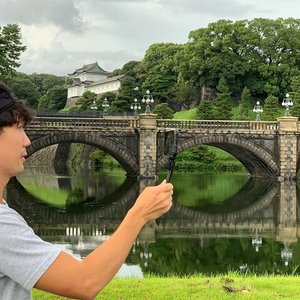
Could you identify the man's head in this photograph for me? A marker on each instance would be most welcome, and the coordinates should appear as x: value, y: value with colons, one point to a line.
x: 14, y: 115
x: 12, y: 111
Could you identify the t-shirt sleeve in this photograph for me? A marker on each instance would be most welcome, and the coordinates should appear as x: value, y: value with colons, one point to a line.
x: 24, y: 257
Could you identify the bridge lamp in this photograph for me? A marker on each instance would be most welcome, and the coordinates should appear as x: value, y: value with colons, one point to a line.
x: 105, y: 106
x: 148, y: 99
x: 258, y: 110
x: 94, y: 105
x: 135, y: 106
x: 287, y: 102
x: 146, y: 255
x: 257, y: 243
x: 286, y: 254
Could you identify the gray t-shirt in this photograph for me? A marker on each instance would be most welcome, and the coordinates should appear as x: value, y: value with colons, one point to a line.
x: 24, y: 257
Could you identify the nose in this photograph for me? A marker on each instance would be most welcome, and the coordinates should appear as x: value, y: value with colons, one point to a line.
x: 26, y: 140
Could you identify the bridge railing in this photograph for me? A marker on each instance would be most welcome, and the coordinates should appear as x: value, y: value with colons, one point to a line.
x: 44, y: 123
x: 84, y: 123
x: 218, y: 124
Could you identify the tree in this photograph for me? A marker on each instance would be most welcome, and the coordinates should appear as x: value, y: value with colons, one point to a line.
x: 205, y: 110
x: 163, y: 111
x: 126, y: 95
x: 295, y: 95
x: 158, y: 70
x: 10, y: 50
x: 85, y: 101
x: 110, y: 97
x: 55, y: 99
x: 261, y: 54
x: 185, y: 93
x: 24, y: 89
x: 271, y: 109
x: 245, y: 108
x: 223, y: 101
x: 44, y: 82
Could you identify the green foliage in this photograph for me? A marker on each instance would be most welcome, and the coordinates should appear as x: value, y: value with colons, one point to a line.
x: 55, y: 99
x: 98, y: 157
x: 24, y: 89
x: 205, y: 110
x: 163, y: 111
x: 271, y: 109
x: 10, y: 50
x: 44, y: 82
x: 295, y: 95
x: 85, y: 101
x: 261, y: 54
x: 132, y: 69
x: 41, y: 91
x: 245, y: 107
x: 207, y: 159
x: 223, y: 101
x: 126, y: 95
x: 159, y: 72
x: 201, y: 153
x: 110, y: 97
x: 185, y: 93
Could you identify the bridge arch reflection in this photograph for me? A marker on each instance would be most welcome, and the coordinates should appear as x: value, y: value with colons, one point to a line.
x: 258, y: 212
x: 37, y: 212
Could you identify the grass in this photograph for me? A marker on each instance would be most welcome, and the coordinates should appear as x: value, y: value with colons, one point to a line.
x: 186, y: 114
x: 231, y: 286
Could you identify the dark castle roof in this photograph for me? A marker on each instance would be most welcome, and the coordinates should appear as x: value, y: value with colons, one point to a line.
x: 90, y: 68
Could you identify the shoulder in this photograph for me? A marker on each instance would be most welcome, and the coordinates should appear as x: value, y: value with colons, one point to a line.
x: 9, y: 215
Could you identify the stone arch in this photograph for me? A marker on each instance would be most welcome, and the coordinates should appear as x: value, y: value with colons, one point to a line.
x: 257, y: 160
x: 114, y: 148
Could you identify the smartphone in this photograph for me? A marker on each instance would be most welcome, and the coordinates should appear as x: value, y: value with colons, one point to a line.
x: 170, y: 150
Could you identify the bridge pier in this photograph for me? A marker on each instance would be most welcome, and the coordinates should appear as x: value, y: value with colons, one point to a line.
x: 287, y: 213
x: 147, y: 145
x: 288, y: 127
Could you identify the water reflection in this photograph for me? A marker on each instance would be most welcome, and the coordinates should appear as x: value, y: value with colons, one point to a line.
x: 251, y: 225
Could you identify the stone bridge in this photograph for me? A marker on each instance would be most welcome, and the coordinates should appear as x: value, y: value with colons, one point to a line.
x: 266, y: 149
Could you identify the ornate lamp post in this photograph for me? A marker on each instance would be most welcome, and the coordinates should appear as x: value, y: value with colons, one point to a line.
x: 287, y: 102
x: 258, y: 110
x: 257, y: 242
x: 146, y: 255
x: 148, y: 99
x: 286, y: 254
x: 94, y: 105
x: 135, y: 106
x: 105, y: 106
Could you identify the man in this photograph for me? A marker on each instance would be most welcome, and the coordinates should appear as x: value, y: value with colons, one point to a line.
x: 26, y: 261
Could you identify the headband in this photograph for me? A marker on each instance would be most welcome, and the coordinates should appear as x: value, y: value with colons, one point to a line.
x: 6, y: 101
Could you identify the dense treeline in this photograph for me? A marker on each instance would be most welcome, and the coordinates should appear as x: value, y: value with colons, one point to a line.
x: 223, y: 70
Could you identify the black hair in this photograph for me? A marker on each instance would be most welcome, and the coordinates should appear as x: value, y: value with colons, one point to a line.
x: 12, y: 111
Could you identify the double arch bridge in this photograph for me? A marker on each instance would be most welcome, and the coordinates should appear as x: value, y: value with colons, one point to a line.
x: 266, y: 149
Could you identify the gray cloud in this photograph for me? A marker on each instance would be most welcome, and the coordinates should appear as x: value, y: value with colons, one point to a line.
x: 217, y: 8
x: 64, y: 14
x: 59, y: 61
x: 114, y: 32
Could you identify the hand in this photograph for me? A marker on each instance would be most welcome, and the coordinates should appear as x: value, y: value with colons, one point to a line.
x: 154, y: 201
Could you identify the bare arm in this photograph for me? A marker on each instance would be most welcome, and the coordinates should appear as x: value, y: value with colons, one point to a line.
x: 84, y: 279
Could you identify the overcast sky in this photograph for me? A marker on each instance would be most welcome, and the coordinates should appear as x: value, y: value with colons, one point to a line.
x: 63, y: 35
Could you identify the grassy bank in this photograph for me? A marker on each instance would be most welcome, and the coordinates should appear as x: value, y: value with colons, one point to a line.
x: 231, y: 286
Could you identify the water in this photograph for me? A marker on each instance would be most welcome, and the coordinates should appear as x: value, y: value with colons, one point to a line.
x: 218, y: 223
